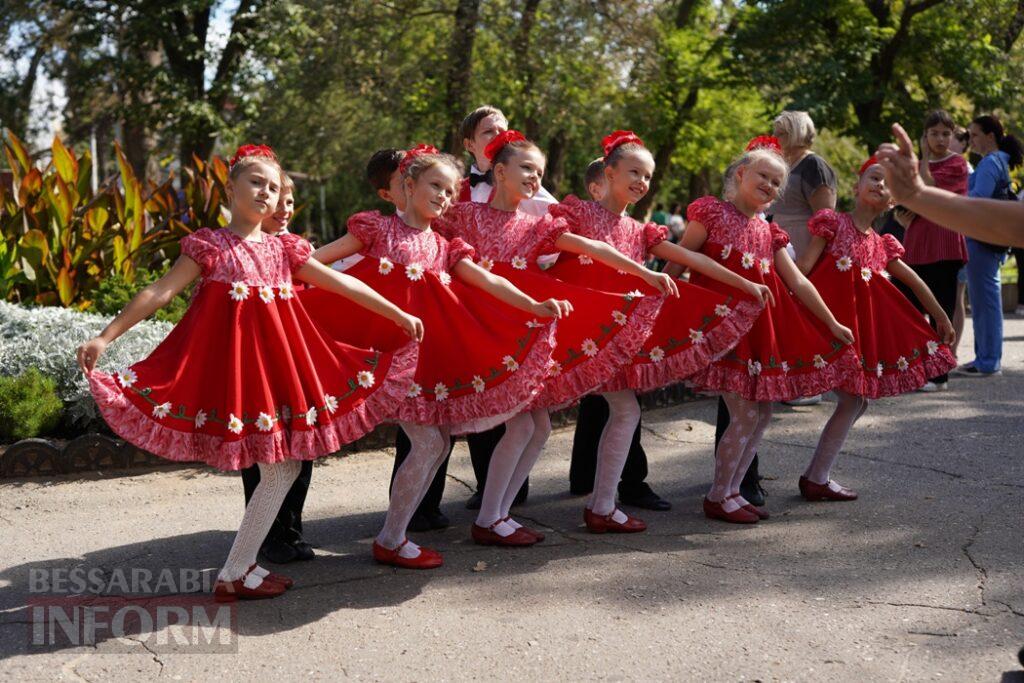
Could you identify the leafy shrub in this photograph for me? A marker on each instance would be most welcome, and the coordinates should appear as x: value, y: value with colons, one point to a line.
x: 46, y: 338
x: 115, y: 291
x: 29, y: 405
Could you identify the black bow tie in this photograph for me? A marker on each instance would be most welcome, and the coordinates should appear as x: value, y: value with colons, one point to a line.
x: 477, y: 178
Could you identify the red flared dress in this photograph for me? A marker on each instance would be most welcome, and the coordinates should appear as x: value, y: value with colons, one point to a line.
x: 689, y: 333
x: 898, y: 350
x: 246, y: 376
x: 788, y: 352
x: 481, y: 360
x: 604, y: 331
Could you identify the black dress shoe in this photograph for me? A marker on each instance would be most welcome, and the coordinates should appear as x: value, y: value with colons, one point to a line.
x: 279, y: 552
x: 644, y: 497
x: 437, y: 519
x: 750, y: 487
x: 304, y: 551
x: 419, y: 522
x: 474, y: 501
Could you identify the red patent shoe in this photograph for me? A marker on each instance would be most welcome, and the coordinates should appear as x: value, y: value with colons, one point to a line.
x: 285, y: 581
x: 539, y: 535
x: 814, y: 492
x: 230, y: 591
x: 713, y: 510
x: 600, y: 524
x: 427, y: 559
x: 488, y: 536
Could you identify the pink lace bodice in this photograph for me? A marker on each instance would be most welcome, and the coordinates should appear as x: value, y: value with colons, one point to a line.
x: 389, y: 237
x: 502, y: 236
x: 223, y: 256
x: 867, y: 250
x: 628, y: 235
x: 730, y: 229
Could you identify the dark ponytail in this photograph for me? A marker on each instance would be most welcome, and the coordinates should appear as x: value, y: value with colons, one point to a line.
x: 1004, y: 141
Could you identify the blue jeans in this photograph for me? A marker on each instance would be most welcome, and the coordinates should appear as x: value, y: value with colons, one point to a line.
x: 985, y: 291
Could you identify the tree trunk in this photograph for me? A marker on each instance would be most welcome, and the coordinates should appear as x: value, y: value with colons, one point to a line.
x: 460, y: 70
x: 663, y: 155
x: 527, y: 72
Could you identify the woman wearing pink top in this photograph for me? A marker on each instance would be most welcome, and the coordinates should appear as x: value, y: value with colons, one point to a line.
x: 935, y: 253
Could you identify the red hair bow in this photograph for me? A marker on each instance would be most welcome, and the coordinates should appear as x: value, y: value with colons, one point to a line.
x: 618, y: 138
x: 500, y: 140
x: 867, y: 164
x: 410, y: 156
x: 765, y: 142
x: 253, y: 151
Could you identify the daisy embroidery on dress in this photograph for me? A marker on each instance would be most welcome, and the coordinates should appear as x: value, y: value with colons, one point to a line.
x: 533, y: 324
x: 235, y: 425
x: 445, y: 278
x: 722, y: 310
x: 162, y: 410
x: 585, y: 259
x: 657, y: 354
x: 589, y: 347
x: 285, y: 291
x: 902, y: 364
x: 331, y: 403
x: 636, y: 293
x: 440, y: 391
x: 766, y: 266
x: 819, y: 362
x: 510, y: 363
x: 478, y: 384
x: 311, y: 416
x: 266, y: 294
x: 127, y: 377
x: 486, y: 263
x: 933, y: 347
x: 264, y: 422
x: 414, y: 390
x: 696, y: 336
x: 844, y: 263
x: 726, y: 251
x: 879, y: 369
x: 519, y: 263
x: 784, y: 366
x: 865, y: 274
x: 364, y: 378
x: 385, y: 266
x: 239, y: 291
x: 753, y: 367
x: 554, y: 368
x: 200, y: 418
x: 619, y: 317
x: 414, y: 271
x: 747, y: 261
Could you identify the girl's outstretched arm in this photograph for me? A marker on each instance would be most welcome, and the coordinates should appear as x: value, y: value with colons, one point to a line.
x: 338, y: 249
x: 702, y: 264
x: 902, y: 272
x: 808, y: 295
x: 502, y: 289
x: 319, y: 275
x: 142, y: 305
x: 610, y: 256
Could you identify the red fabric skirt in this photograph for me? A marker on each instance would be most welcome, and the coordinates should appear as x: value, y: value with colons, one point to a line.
x: 787, y: 353
x: 689, y: 333
x: 245, y: 378
x: 481, y: 360
x: 898, y: 350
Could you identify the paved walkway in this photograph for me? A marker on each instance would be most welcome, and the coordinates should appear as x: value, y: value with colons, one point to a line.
x: 920, y: 579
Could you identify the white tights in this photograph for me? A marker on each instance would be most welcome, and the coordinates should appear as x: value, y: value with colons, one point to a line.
x: 275, y: 481
x: 429, y: 449
x: 612, y: 450
x: 747, y: 423
x: 848, y: 410
x: 513, y: 458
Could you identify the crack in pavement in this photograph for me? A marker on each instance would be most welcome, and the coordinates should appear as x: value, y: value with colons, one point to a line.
x: 981, y: 571
x: 148, y: 649
x: 451, y: 476
x: 945, y: 608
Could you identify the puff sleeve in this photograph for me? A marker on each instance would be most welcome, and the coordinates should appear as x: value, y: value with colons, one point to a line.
x: 200, y: 247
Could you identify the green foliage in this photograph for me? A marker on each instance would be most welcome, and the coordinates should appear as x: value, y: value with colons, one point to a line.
x: 114, y: 293
x: 29, y: 406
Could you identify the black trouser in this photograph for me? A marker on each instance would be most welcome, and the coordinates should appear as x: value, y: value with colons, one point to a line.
x: 287, y: 526
x: 721, y: 424
x: 593, y: 414
x: 481, y: 448
x: 941, y: 279
x: 1018, y: 254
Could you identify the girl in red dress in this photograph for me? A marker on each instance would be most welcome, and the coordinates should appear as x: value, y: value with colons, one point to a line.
x: 246, y: 376
x: 485, y: 356
x: 603, y: 334
x: 850, y: 264
x: 796, y: 348
x: 690, y: 331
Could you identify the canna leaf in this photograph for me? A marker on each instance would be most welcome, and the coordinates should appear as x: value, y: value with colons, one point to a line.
x: 64, y: 161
